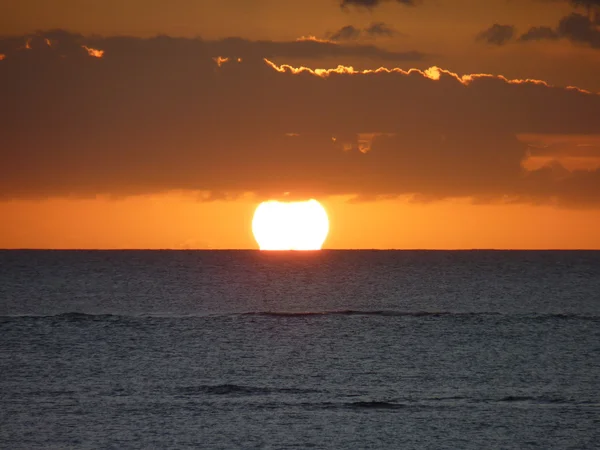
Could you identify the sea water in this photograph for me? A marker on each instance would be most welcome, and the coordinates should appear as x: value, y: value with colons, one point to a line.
x: 331, y: 349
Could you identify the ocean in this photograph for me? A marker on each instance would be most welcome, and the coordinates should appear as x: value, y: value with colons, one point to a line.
x: 329, y: 349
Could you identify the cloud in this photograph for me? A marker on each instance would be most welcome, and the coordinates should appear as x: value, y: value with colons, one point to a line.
x: 581, y: 29
x: 369, y: 4
x: 380, y: 29
x: 563, y: 146
x: 590, y: 4
x: 497, y: 34
x: 539, y: 33
x: 77, y: 46
x: 154, y: 115
x: 373, y: 30
x: 347, y: 33
x: 577, y: 28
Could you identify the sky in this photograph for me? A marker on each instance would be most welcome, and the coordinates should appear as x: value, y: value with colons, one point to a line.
x: 430, y: 124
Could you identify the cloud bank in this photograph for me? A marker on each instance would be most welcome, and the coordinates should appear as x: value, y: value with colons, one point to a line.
x: 122, y: 115
x: 577, y: 28
x: 373, y: 30
x: 583, y: 29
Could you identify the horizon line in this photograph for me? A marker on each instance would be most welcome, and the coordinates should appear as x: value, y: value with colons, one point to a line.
x: 391, y: 249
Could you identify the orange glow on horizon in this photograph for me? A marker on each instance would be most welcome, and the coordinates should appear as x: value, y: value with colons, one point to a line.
x: 178, y: 220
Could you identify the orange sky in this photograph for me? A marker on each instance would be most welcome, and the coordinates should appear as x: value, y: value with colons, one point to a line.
x: 111, y: 142
x: 178, y: 221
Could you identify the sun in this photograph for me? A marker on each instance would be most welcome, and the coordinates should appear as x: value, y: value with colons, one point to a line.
x: 290, y: 225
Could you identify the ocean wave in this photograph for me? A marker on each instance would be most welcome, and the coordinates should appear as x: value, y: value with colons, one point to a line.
x: 84, y: 316
x: 355, y: 405
x: 432, y: 314
x: 356, y: 312
x: 80, y: 316
x: 427, y: 403
x: 539, y: 399
x: 445, y: 398
x: 374, y: 405
x: 68, y: 316
x: 236, y: 389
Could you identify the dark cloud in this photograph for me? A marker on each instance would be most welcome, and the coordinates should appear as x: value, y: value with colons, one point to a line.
x: 497, y: 34
x: 306, y: 49
x: 539, y: 33
x: 562, y: 146
x: 373, y: 30
x: 347, y: 33
x: 374, y: 3
x: 581, y: 29
x: 380, y: 29
x: 136, y: 116
x: 578, y: 28
x: 58, y: 41
x: 590, y: 4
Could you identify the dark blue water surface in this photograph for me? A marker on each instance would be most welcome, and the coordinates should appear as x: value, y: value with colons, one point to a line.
x: 332, y: 349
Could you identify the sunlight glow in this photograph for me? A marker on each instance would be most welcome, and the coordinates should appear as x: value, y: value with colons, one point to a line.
x: 433, y: 73
x: 290, y: 225
x: 94, y: 52
x: 220, y: 60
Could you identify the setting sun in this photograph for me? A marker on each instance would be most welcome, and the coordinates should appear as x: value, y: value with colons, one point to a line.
x: 290, y: 225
